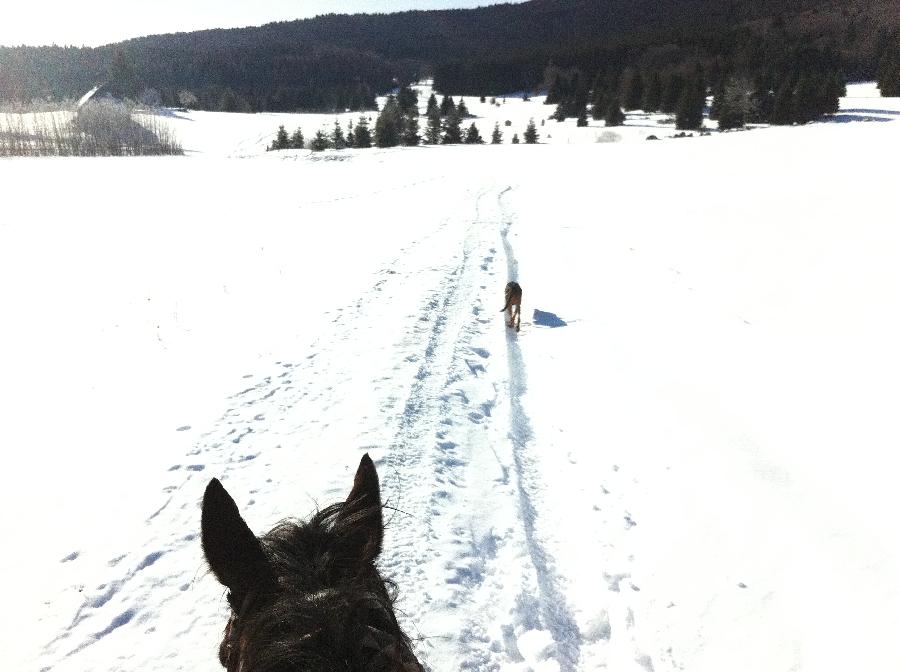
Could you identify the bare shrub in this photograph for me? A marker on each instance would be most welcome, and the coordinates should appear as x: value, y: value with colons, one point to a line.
x: 98, y: 128
x: 609, y: 136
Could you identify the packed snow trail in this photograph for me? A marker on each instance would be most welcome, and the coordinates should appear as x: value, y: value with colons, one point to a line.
x: 456, y: 471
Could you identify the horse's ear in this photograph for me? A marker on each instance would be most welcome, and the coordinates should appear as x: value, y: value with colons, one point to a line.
x: 233, y: 552
x: 360, y: 519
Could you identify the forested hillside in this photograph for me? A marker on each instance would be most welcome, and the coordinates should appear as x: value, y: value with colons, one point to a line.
x: 337, y: 62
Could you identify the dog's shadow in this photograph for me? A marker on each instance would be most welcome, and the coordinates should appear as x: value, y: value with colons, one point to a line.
x: 546, y: 319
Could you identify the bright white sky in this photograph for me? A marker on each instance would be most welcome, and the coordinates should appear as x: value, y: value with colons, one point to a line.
x: 96, y: 22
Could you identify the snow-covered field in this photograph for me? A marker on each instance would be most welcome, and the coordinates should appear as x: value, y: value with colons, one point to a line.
x: 684, y: 461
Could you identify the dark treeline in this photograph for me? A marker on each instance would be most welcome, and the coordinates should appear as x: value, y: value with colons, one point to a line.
x: 275, y: 78
x: 335, y: 62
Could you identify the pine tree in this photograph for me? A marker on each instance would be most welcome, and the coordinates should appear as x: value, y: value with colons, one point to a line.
x: 496, y: 136
x: 433, y: 129
x: 833, y: 88
x: 783, y: 105
x: 734, y: 104
x: 362, y: 136
x: 320, y: 141
x: 889, y: 69
x: 806, y: 99
x: 338, y: 141
x: 762, y: 99
x: 562, y: 111
x: 614, y: 115
x: 452, y: 132
x: 515, y: 139
x: 432, y: 105
x: 447, y: 104
x: 531, y: 134
x: 410, y: 136
x: 473, y: 137
x: 582, y: 116
x: 388, y: 125
x: 281, y: 140
x: 408, y: 100
x: 351, y: 138
x: 689, y: 113
x: 296, y: 141
x: 462, y: 110
x: 554, y: 93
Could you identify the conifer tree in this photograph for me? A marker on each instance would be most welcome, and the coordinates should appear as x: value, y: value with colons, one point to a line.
x: 432, y: 105
x: 554, y: 94
x: 889, y: 69
x: 614, y: 115
x: 531, y: 134
x: 833, y: 88
x: 561, y: 112
x: 351, y: 138
x: 807, y: 103
x: 783, y: 105
x: 320, y: 142
x: 296, y: 141
x: 447, y: 104
x: 462, y: 110
x: 734, y: 104
x: 338, y: 141
x: 473, y: 137
x: 410, y: 136
x: 599, y: 102
x: 762, y: 99
x: 452, y: 131
x: 689, y: 113
x: 434, y: 128
x: 388, y: 125
x: 515, y: 139
x: 581, y: 115
x: 408, y: 100
x: 362, y: 136
x: 496, y: 136
x: 281, y: 140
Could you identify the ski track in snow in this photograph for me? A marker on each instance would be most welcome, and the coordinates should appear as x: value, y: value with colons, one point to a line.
x: 461, y: 479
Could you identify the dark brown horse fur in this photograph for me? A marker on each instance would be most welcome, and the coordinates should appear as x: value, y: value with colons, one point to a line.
x: 307, y: 596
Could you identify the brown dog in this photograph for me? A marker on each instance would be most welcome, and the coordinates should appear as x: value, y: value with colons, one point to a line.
x: 513, y: 298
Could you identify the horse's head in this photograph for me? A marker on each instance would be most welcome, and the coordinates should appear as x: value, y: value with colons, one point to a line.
x: 306, y: 596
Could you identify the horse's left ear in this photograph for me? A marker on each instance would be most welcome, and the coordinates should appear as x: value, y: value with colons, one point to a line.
x: 360, y: 522
x: 233, y: 552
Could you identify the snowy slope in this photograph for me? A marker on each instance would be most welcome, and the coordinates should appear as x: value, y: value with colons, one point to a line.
x: 683, y: 461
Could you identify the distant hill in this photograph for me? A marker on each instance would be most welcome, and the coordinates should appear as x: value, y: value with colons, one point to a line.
x: 343, y: 61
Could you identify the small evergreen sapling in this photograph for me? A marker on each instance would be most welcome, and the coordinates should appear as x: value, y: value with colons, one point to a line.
x: 496, y: 136
x: 531, y: 134
x: 473, y: 137
x: 362, y: 136
x: 281, y: 140
x: 297, y: 141
x: 433, y: 128
x: 320, y: 142
x: 452, y: 131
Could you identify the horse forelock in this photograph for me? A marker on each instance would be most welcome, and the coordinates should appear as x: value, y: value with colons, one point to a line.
x: 328, y: 612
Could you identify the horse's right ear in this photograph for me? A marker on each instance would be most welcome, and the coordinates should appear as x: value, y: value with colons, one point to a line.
x: 233, y: 552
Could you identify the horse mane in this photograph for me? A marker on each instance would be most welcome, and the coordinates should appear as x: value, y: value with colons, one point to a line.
x: 329, y: 613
